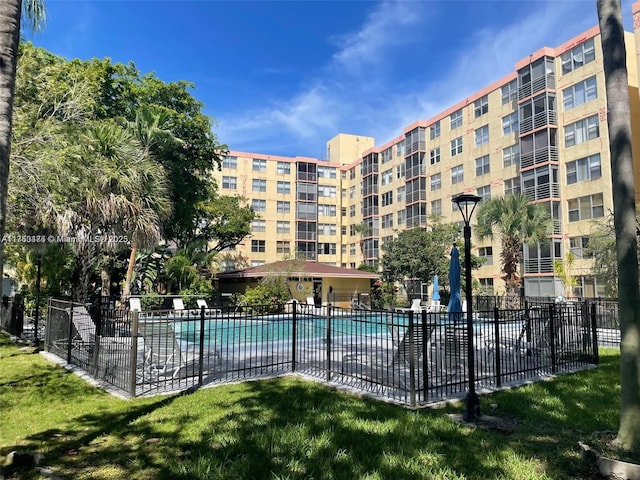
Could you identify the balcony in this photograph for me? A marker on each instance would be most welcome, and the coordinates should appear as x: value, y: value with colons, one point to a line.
x: 415, y: 171
x: 416, y: 221
x: 557, y: 227
x: 306, y: 236
x: 538, y: 85
x: 369, y: 169
x: 307, y: 176
x: 540, y: 119
x: 541, y: 155
x: 370, y: 190
x: 412, y: 197
x: 538, y: 265
x: 370, y: 211
x: 543, y: 192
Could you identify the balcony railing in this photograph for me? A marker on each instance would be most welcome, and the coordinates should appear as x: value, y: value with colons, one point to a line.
x: 541, y: 155
x: 541, y: 192
x: 557, y: 227
x: 416, y: 196
x: 417, y: 221
x: 542, y: 83
x: 415, y: 171
x: 369, y: 211
x: 540, y: 119
x: 538, y: 265
x: 369, y: 169
x: 307, y: 176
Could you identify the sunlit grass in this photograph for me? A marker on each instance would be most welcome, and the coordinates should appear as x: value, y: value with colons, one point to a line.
x: 290, y: 428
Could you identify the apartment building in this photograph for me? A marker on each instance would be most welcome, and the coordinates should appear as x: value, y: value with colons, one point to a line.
x: 540, y: 130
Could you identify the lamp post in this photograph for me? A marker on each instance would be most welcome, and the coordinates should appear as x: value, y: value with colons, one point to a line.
x: 466, y: 204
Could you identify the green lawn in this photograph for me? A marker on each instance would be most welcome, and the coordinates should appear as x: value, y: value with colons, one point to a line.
x: 289, y: 428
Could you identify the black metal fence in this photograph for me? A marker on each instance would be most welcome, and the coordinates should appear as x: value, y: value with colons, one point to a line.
x: 413, y: 358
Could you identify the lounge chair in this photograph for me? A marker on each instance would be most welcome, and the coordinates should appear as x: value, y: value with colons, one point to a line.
x: 404, y: 337
x: 178, y: 304
x: 135, y: 305
x: 355, y: 305
x: 85, y: 329
x: 163, y: 352
x: 202, y: 303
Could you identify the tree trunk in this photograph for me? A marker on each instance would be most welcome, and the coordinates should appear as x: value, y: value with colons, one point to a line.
x: 105, y: 283
x: 10, y: 11
x: 126, y: 291
x: 624, y: 215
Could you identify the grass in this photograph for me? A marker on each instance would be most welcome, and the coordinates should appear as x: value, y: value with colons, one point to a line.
x: 289, y: 428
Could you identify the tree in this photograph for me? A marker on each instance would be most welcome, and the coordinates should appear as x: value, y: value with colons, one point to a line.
x: 517, y: 221
x: 562, y: 269
x: 419, y: 254
x: 152, y: 128
x: 10, y: 16
x: 624, y: 218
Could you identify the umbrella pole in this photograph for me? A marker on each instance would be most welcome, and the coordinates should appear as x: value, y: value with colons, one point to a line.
x: 471, y: 402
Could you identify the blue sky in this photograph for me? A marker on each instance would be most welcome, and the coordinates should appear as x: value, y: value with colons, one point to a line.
x: 283, y: 77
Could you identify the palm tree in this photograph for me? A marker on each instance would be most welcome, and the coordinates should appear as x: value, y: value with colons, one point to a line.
x: 517, y: 221
x: 123, y: 195
x: 10, y: 16
x: 622, y: 178
x: 152, y: 128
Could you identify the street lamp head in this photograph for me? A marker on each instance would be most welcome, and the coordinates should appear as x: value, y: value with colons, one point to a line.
x: 466, y: 204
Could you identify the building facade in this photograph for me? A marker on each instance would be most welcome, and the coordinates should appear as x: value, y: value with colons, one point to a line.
x: 540, y: 130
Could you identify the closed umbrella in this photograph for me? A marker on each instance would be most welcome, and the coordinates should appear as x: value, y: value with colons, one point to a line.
x: 436, y: 293
x: 454, y: 309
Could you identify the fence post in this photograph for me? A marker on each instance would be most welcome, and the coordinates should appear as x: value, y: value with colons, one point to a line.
x: 594, y: 333
x: 70, y: 332
x: 498, y: 361
x: 294, y: 333
x: 412, y: 363
x: 201, y: 353
x: 425, y: 357
x: 133, y: 367
x: 552, y: 335
x: 47, y: 331
x: 328, y: 343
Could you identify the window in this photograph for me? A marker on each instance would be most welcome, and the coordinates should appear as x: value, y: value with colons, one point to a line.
x: 326, y: 191
x: 259, y: 205
x: 352, y: 211
x: 436, y: 182
x: 283, y: 207
x: 229, y: 183
x: 400, y: 194
x: 326, y: 172
x: 581, y: 131
x: 258, y: 246
x: 434, y: 130
x: 386, y: 177
x: 284, y: 187
x: 400, y: 149
x: 343, y: 229
x: 482, y: 135
x: 510, y: 92
x: 326, y: 248
x: 484, y: 192
x: 259, y: 165
x: 307, y: 191
x: 456, y: 119
x: 327, y: 210
x: 387, y: 198
x: 343, y: 211
x: 283, y: 246
x: 230, y: 162
x: 386, y: 155
x: 482, y: 165
x: 258, y: 226
x: 584, y: 169
x: 436, y: 207
x: 327, y: 229
x: 257, y: 263
x: 387, y: 221
x: 434, y: 156
x: 584, y: 208
x: 456, y: 146
x: 352, y: 249
x: 510, y: 124
x: 401, y: 170
x: 486, y: 286
x: 283, y: 226
x: 511, y: 156
x: 457, y: 174
x: 512, y: 186
x: 284, y: 168
x: 481, y: 106
x: 258, y: 185
x: 402, y: 217
x: 578, y: 56
x: 580, y: 93
x: 487, y: 254
x: 579, y: 246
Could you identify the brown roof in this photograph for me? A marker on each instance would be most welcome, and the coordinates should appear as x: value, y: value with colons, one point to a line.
x: 298, y: 268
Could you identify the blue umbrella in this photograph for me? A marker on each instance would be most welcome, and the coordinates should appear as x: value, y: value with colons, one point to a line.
x: 454, y: 309
x: 436, y: 293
